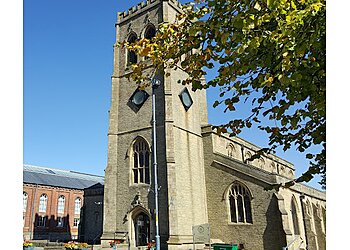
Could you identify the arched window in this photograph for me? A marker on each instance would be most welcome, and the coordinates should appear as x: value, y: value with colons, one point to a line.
x: 295, y: 217
x: 150, y: 32
x: 77, y: 205
x: 25, y: 201
x: 140, y: 162
x: 43, y: 203
x: 131, y: 55
x: 240, y: 204
x: 60, y: 205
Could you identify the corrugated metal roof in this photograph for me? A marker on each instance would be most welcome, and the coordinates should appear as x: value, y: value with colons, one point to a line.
x: 59, y: 178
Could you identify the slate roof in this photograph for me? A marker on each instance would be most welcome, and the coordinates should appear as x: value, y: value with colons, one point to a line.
x: 59, y: 178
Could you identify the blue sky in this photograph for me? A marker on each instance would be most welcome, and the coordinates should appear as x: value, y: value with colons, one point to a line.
x: 67, y: 67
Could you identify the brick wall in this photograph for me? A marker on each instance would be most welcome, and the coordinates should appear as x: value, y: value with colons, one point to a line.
x: 50, y: 231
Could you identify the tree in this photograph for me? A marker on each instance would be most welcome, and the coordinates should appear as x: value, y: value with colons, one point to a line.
x: 269, y: 53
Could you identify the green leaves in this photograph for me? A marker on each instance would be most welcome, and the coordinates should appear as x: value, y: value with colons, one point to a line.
x: 269, y: 54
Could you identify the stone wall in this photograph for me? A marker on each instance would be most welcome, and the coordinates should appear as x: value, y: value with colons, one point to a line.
x: 240, y: 150
x: 266, y: 231
x: 179, y: 143
x: 272, y: 226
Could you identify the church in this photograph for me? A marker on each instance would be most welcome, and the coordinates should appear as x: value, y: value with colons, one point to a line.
x: 203, y: 178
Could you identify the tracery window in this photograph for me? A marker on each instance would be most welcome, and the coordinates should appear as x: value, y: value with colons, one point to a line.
x: 240, y: 204
x: 60, y: 205
x: 77, y: 205
x: 141, y: 162
x: 43, y: 203
x: 25, y: 201
x: 295, y: 217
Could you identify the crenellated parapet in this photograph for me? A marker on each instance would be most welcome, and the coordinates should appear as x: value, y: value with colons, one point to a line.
x: 142, y: 6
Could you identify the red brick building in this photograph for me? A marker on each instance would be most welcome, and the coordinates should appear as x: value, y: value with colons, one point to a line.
x: 52, y: 202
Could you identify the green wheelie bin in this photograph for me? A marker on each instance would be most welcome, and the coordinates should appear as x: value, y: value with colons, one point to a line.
x: 225, y: 246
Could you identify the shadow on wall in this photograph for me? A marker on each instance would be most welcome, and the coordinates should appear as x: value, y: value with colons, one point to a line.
x: 52, y: 229
x: 274, y: 236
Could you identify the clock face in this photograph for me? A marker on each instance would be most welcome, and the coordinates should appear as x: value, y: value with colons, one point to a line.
x: 138, y: 98
x: 186, y: 99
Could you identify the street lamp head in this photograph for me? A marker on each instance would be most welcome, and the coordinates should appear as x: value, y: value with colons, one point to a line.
x: 155, y: 83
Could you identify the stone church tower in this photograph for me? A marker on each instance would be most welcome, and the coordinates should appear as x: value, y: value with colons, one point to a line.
x: 129, y: 202
x: 203, y: 177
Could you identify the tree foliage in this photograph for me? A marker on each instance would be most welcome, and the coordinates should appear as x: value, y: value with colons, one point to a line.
x: 269, y: 53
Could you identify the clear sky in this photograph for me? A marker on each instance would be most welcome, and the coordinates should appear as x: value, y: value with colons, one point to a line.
x: 67, y: 65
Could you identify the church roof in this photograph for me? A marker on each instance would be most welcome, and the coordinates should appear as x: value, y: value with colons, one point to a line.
x: 59, y: 178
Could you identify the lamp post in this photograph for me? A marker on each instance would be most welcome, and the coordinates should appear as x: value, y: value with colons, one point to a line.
x: 155, y: 84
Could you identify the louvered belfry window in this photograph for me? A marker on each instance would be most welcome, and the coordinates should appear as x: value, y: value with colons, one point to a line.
x: 131, y: 55
x: 141, y: 162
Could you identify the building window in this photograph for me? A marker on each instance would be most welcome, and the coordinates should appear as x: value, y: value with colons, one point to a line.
x: 141, y: 162
x: 240, y: 204
x: 60, y: 222
x: 295, y: 217
x: 60, y: 206
x: 25, y: 201
x: 77, y: 205
x: 150, y: 32
x: 76, y: 222
x: 131, y: 55
x: 41, y: 221
x: 43, y: 203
